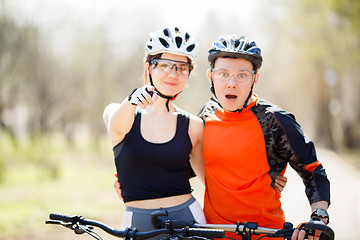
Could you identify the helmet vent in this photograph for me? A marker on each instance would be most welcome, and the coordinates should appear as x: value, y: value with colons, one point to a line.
x: 225, y: 43
x: 178, y: 41
x: 190, y: 48
x: 177, y: 30
x: 187, y: 36
x: 236, y: 43
x: 149, y: 47
x: 164, y: 42
x: 166, y: 32
x: 249, y: 46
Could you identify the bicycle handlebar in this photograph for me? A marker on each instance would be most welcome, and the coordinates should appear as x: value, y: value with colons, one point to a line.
x: 182, y: 228
x: 63, y: 217
x: 249, y: 228
x: 323, y: 228
x: 71, y: 220
x: 271, y: 232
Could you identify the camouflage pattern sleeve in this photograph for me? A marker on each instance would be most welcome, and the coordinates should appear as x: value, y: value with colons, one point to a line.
x: 285, y: 143
x: 295, y: 146
x: 208, y: 109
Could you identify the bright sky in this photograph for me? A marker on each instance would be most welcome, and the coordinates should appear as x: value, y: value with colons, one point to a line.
x: 61, y: 20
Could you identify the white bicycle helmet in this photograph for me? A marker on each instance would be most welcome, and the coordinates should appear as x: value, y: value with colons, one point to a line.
x: 172, y: 40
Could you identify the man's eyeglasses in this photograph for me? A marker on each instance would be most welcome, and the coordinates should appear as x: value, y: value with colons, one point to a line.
x: 165, y: 65
x: 223, y: 75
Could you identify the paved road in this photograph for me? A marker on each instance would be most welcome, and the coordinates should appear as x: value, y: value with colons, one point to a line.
x: 344, y: 210
x: 345, y: 196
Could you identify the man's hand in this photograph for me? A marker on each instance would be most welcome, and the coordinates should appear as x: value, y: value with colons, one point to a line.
x: 299, y: 233
x: 280, y: 182
x: 117, y: 186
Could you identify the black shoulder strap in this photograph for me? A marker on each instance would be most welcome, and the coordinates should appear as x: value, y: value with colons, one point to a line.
x: 183, y: 116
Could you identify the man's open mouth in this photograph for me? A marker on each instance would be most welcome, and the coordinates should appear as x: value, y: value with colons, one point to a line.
x: 230, y: 96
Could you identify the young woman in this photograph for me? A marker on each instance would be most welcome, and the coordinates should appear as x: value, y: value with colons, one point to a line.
x: 156, y: 144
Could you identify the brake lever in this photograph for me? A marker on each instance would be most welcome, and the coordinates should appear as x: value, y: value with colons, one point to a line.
x: 284, y: 233
x: 78, y: 229
x: 67, y: 225
x: 53, y: 222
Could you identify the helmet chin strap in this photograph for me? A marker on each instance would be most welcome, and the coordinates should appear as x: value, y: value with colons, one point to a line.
x: 169, y: 98
x: 212, y: 89
x: 246, y: 101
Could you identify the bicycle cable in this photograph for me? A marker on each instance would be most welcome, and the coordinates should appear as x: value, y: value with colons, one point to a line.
x: 90, y: 232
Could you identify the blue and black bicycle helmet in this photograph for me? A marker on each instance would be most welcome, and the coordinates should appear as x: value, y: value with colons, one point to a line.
x: 237, y: 47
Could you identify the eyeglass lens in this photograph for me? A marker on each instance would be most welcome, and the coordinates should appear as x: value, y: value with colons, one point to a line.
x: 166, y: 65
x: 241, y: 76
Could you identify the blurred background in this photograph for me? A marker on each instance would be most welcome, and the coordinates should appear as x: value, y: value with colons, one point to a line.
x: 63, y: 61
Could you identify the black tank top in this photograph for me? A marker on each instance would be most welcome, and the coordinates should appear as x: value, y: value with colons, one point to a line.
x: 154, y: 170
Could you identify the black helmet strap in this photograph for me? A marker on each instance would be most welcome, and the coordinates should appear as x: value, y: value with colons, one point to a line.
x: 212, y: 89
x: 168, y: 98
x: 247, y: 100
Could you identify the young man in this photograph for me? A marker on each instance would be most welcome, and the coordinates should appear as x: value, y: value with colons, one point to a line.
x: 248, y: 142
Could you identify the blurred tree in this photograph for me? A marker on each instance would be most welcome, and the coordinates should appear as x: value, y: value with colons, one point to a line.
x: 18, y: 57
x: 30, y: 78
x: 26, y: 96
x: 315, y: 60
x: 325, y: 38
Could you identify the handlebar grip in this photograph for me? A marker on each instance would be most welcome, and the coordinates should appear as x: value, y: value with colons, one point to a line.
x: 62, y: 217
x: 207, y: 233
x: 323, y: 228
x: 179, y: 224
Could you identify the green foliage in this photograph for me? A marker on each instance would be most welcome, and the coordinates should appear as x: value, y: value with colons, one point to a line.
x: 46, y: 175
x: 41, y: 152
x: 324, y: 38
x: 347, y: 10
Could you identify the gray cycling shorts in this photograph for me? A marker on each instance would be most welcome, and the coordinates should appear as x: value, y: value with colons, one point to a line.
x: 141, y: 218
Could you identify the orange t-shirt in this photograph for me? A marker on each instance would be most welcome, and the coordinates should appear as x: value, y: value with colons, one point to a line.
x: 238, y: 186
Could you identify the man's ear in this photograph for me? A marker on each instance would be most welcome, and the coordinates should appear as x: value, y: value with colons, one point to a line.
x: 256, y: 78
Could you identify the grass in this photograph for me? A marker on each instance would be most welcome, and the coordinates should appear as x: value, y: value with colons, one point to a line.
x: 72, y: 181
x: 49, y: 175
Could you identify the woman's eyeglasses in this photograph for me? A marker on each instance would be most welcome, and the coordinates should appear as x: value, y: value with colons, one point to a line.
x: 165, y: 65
